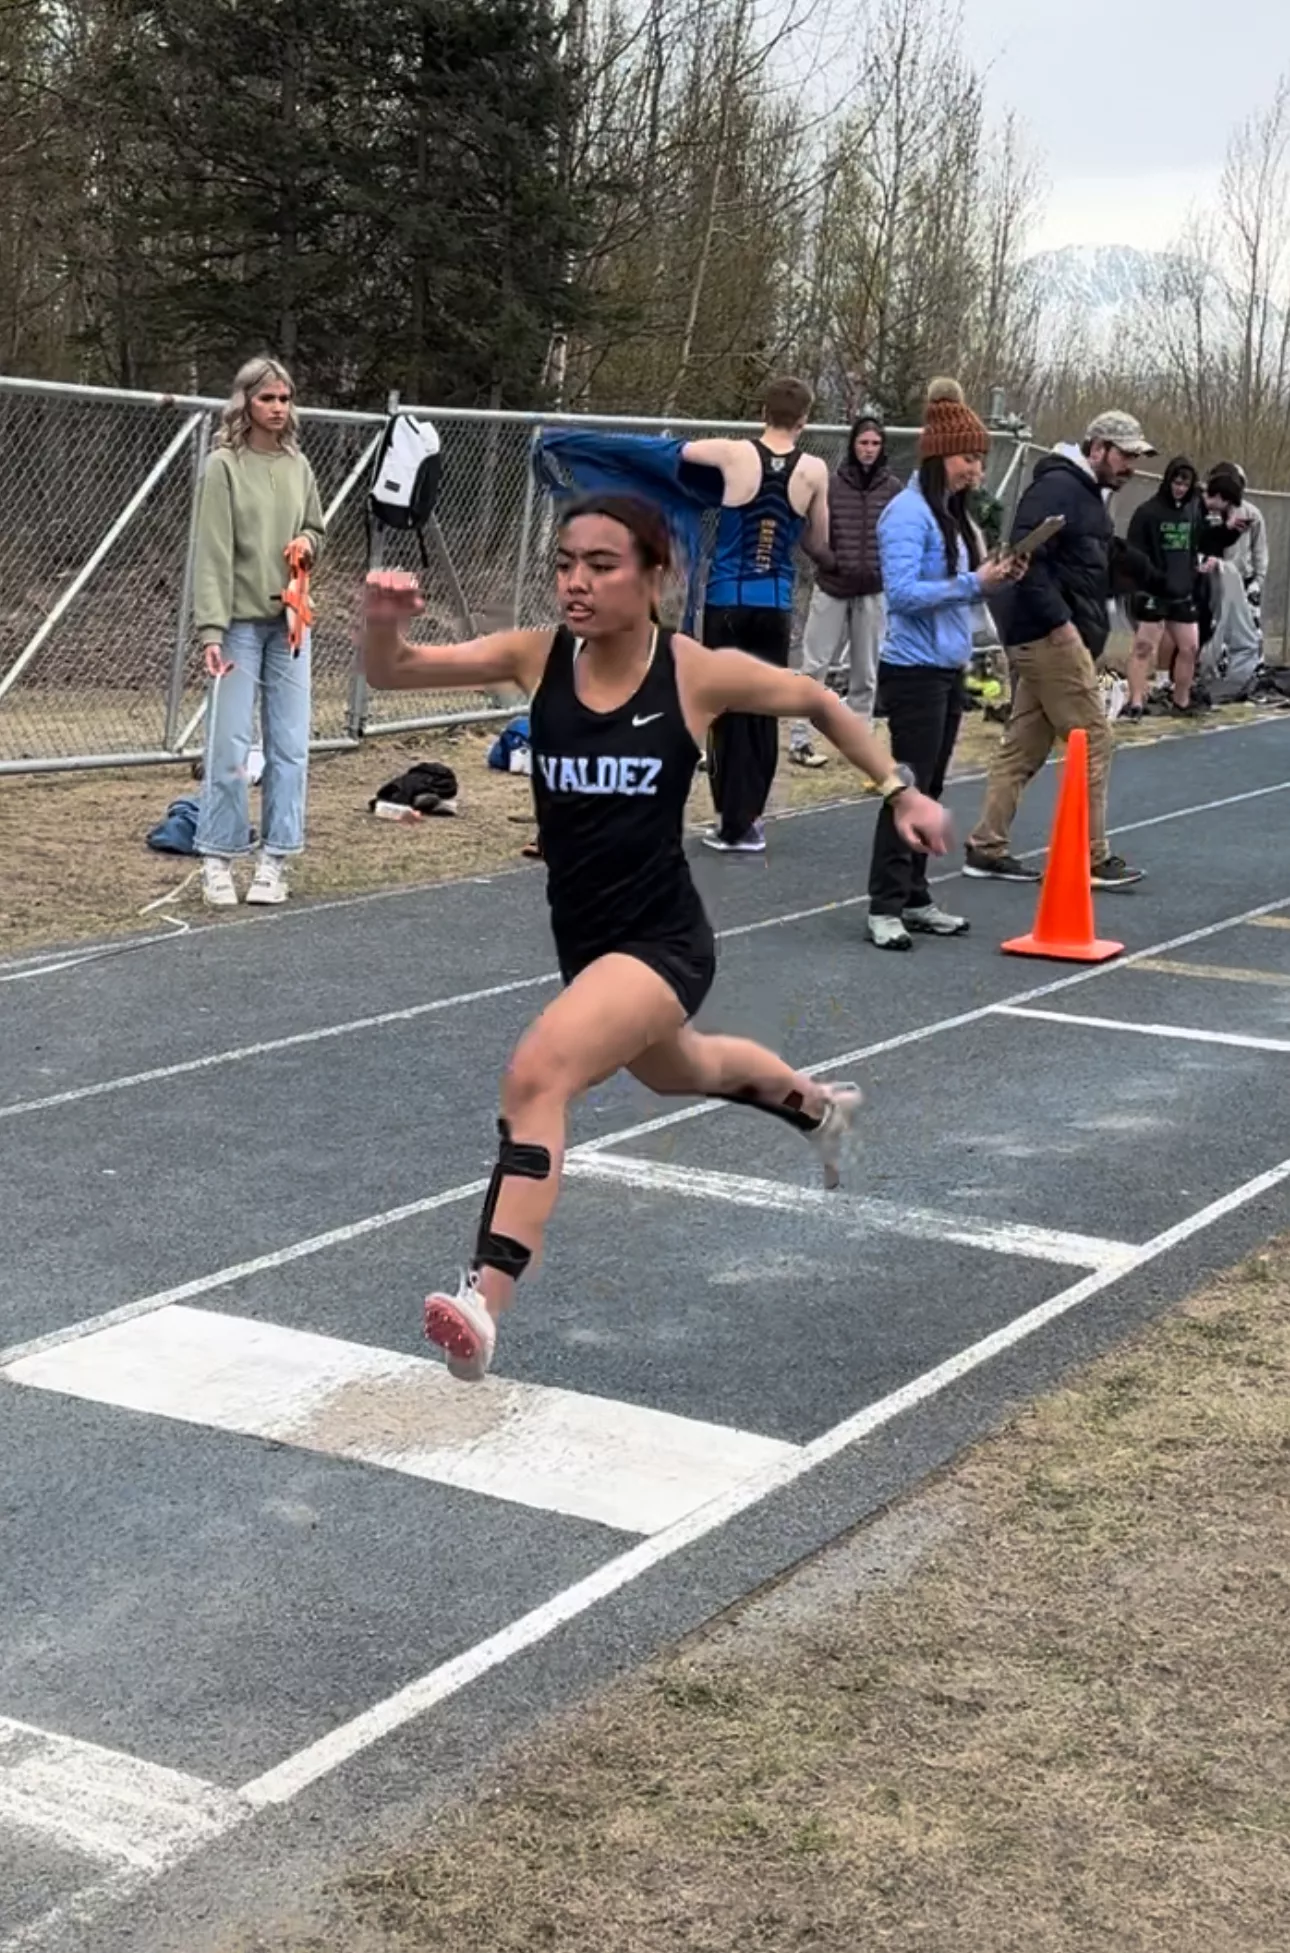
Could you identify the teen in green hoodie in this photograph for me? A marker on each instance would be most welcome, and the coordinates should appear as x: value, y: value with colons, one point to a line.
x: 1166, y: 530
x: 258, y: 497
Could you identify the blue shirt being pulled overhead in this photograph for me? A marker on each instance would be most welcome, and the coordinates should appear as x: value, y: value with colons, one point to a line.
x: 929, y: 612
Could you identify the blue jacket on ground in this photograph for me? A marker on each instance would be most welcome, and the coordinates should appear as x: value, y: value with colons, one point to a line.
x: 929, y: 614
x: 572, y: 461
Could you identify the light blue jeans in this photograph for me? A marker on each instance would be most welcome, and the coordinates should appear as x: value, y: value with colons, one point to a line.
x: 263, y: 665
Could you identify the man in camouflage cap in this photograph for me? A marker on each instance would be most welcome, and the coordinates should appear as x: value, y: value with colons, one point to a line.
x: 1055, y: 624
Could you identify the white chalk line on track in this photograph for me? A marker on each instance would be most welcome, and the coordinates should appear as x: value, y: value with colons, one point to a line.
x: 70, y: 956
x: 240, y: 1054
x: 411, y: 1210
x: 1181, y: 1033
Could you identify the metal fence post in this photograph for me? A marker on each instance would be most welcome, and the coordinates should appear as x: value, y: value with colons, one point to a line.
x: 184, y: 621
x: 356, y: 705
x: 526, y: 530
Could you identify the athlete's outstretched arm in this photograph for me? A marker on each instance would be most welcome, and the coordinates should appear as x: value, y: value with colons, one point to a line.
x: 711, y: 451
x: 713, y: 682
x: 391, y: 663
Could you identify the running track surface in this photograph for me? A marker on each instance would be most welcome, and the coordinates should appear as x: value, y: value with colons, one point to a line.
x: 270, y: 1584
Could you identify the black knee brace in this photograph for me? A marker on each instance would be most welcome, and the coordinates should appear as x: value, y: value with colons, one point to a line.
x: 789, y: 1109
x: 499, y: 1251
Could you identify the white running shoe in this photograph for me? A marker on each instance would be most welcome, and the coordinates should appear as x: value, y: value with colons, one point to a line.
x: 219, y: 890
x: 933, y: 921
x: 834, y: 1139
x: 270, y: 884
x: 888, y: 932
x: 462, y: 1328
x: 753, y: 842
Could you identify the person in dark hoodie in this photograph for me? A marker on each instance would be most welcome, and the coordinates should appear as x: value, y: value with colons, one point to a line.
x: 846, y: 604
x: 1167, y: 531
x: 1055, y: 624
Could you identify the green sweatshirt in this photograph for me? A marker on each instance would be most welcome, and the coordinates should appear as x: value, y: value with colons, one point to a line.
x: 252, y: 506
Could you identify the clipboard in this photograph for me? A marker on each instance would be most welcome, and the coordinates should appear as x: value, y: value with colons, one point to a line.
x: 1042, y: 532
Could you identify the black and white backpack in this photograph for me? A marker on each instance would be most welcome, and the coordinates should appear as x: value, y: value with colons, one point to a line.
x: 405, y: 477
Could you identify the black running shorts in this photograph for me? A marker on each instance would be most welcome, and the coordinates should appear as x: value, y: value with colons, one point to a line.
x: 1163, y: 610
x: 687, y: 962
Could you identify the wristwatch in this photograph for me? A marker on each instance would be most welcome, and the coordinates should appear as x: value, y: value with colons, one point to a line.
x: 899, y: 780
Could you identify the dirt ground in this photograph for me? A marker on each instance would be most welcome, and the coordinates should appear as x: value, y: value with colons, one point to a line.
x: 76, y: 867
x: 1058, y: 1727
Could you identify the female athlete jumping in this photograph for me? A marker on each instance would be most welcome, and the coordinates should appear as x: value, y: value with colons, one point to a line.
x: 620, y: 712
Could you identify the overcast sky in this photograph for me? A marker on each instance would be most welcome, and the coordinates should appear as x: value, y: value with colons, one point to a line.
x: 1130, y: 101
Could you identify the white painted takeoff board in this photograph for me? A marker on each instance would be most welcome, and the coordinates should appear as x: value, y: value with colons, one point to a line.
x: 109, y: 1807
x: 621, y: 1464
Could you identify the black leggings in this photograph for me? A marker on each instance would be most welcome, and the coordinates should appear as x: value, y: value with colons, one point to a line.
x: 743, y: 747
x: 924, y: 706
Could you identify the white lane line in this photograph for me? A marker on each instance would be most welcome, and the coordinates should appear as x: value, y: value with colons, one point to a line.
x: 1236, y: 1039
x: 104, y: 1805
x: 287, y: 1779
x: 240, y: 1271
x: 1214, y: 972
x: 239, y: 1054
x: 858, y: 1213
x: 373, y: 1223
x: 958, y: 1022
x: 618, y: 1464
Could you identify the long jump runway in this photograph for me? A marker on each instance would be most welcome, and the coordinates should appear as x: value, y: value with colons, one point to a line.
x: 270, y: 1583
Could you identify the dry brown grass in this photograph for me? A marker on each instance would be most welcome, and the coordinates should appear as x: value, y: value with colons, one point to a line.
x: 1064, y: 1732
x: 75, y: 863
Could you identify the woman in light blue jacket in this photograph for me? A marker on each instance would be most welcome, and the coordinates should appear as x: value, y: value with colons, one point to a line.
x: 934, y: 576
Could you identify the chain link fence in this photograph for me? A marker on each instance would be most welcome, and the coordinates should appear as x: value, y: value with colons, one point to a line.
x: 1275, y: 506
x: 98, y: 500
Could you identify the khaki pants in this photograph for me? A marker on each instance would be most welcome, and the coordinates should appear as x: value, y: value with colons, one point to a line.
x: 1055, y: 690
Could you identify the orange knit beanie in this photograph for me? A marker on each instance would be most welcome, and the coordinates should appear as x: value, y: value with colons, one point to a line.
x: 949, y: 425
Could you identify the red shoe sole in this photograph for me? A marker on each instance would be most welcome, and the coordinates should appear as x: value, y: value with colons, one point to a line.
x: 447, y: 1328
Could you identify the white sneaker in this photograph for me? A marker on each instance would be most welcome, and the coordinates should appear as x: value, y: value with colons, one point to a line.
x: 219, y: 890
x: 753, y: 842
x: 932, y: 921
x: 270, y: 883
x: 834, y: 1138
x: 887, y: 932
x: 806, y: 755
x: 462, y: 1328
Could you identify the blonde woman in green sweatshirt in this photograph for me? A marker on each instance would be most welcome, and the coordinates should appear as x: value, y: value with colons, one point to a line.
x: 258, y: 497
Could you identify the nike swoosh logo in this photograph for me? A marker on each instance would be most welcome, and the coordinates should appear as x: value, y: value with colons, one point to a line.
x: 647, y: 720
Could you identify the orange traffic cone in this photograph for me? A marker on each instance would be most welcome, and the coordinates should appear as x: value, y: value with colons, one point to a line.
x: 1064, y: 919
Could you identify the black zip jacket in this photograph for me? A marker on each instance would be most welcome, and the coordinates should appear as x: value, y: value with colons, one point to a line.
x: 1073, y: 578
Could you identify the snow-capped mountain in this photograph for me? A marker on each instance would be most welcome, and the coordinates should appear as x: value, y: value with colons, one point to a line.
x: 1092, y: 296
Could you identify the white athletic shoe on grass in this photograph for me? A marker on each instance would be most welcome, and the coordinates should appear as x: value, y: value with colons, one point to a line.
x: 270, y: 883
x: 219, y: 890
x: 462, y: 1328
x: 835, y: 1139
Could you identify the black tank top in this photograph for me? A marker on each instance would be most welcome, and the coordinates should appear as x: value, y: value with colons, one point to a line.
x: 610, y: 790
